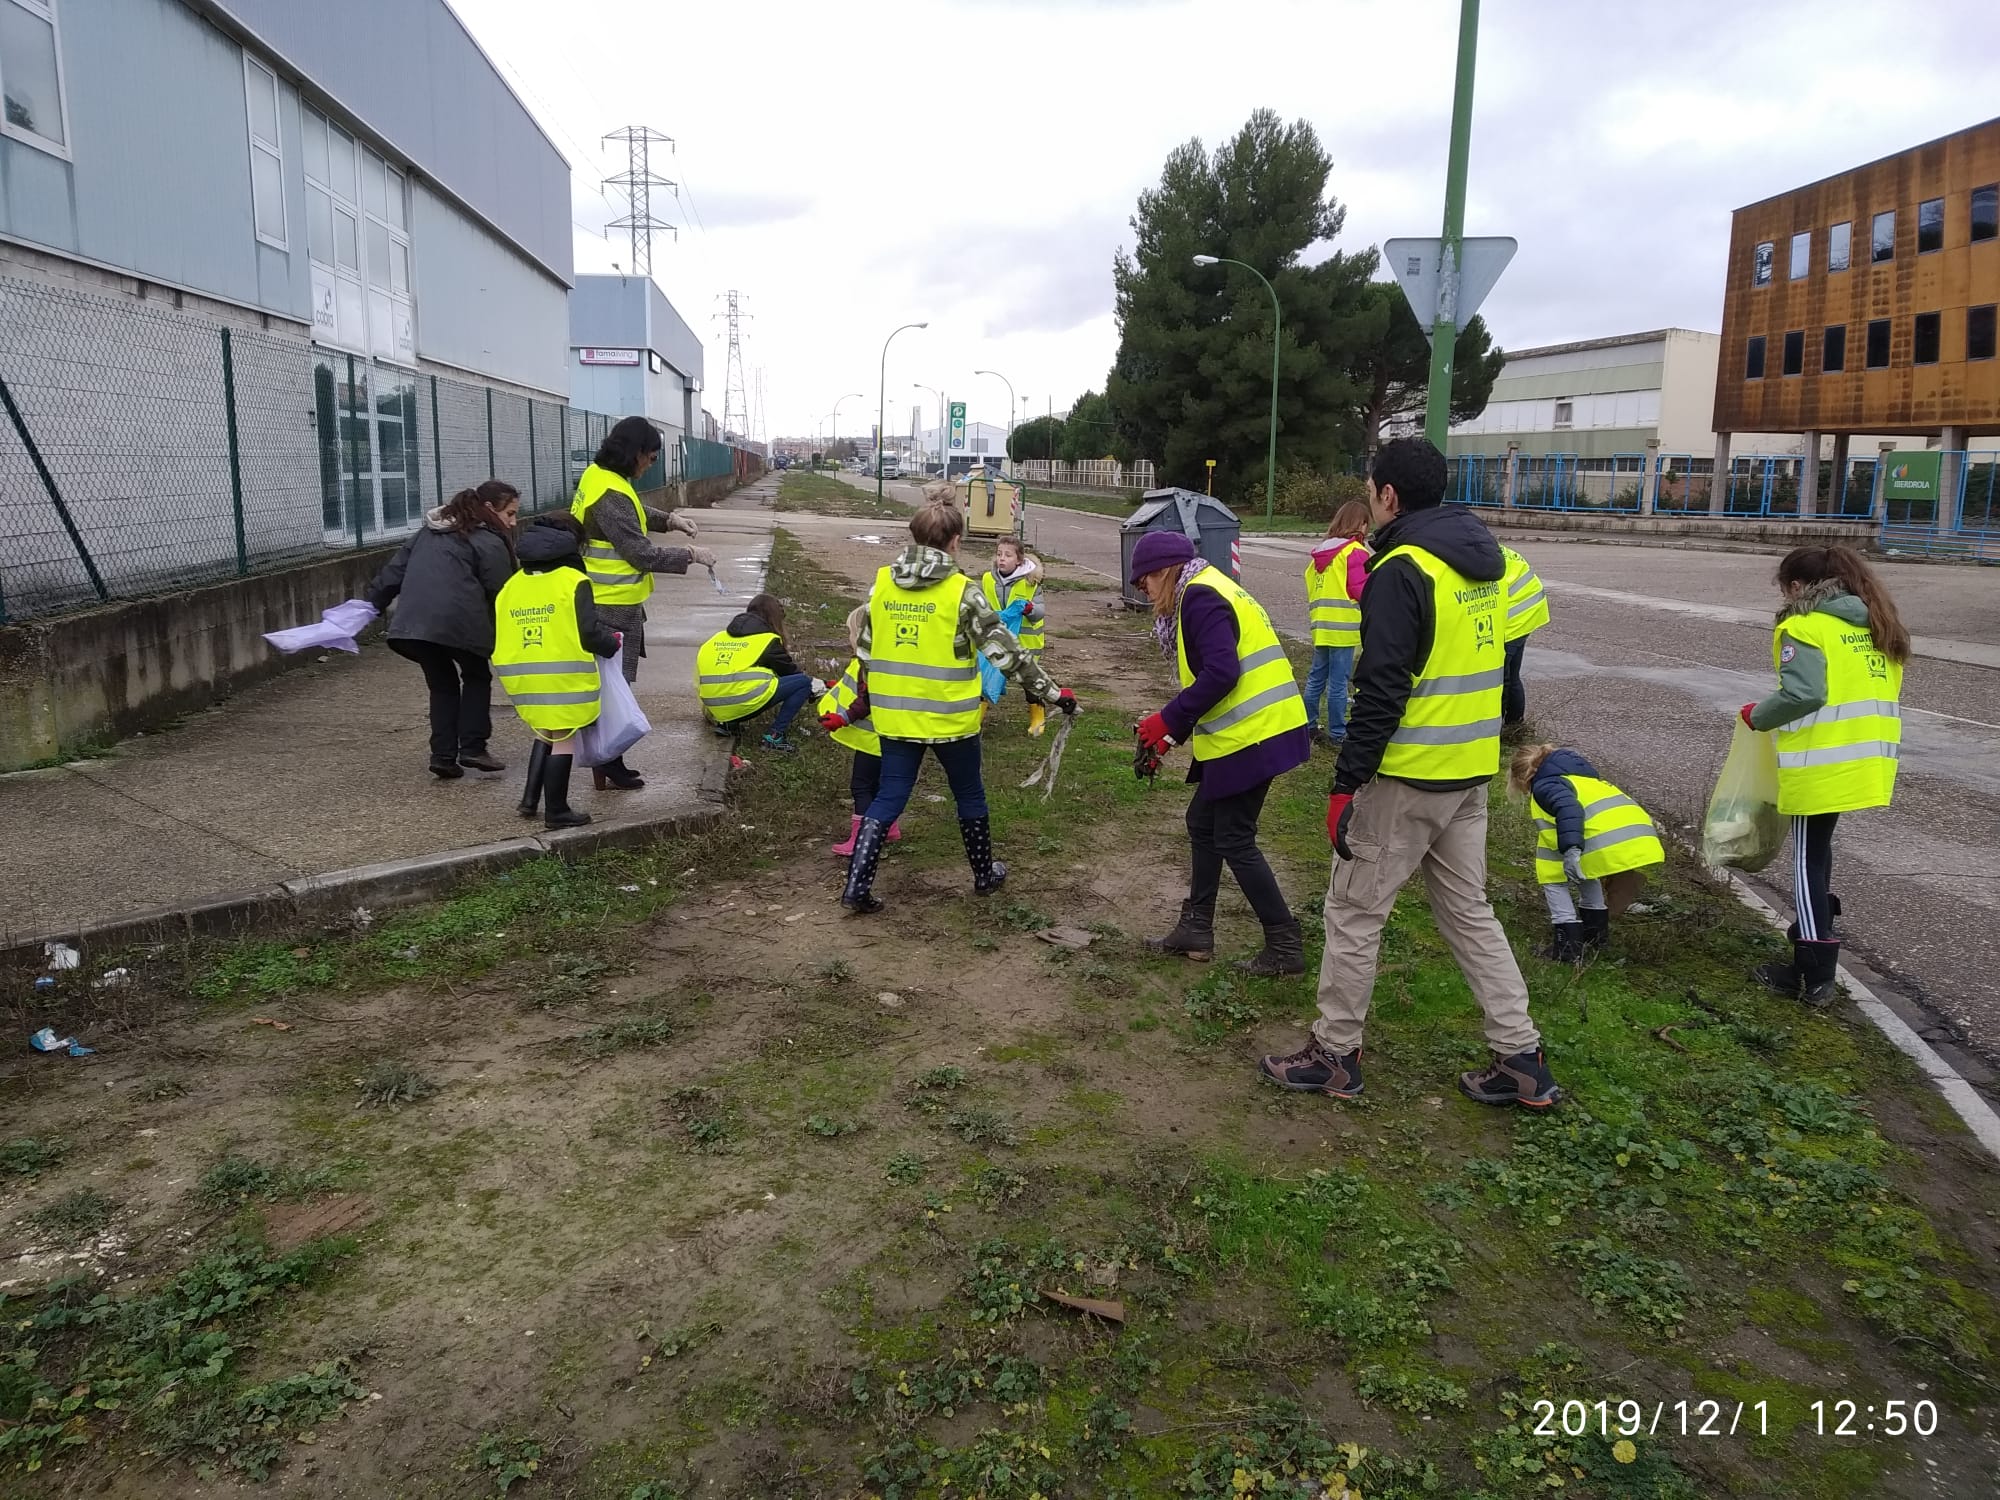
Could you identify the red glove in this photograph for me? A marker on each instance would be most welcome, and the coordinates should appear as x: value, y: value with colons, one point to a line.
x: 1339, y: 809
x: 1066, y: 701
x: 1152, y: 732
x: 1743, y: 713
x: 832, y: 721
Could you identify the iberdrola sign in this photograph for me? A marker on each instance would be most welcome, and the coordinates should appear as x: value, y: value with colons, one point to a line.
x: 1912, y: 477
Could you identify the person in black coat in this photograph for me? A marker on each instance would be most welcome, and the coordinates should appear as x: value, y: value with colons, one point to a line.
x: 443, y: 582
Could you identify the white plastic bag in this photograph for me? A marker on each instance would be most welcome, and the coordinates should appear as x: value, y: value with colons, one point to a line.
x: 620, y: 722
x: 335, y: 629
x: 1744, y: 829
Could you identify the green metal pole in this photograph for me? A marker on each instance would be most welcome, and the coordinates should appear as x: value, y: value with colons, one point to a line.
x: 437, y: 441
x: 492, y: 463
x: 1271, y: 454
x: 534, y: 489
x: 54, y: 494
x: 235, y: 458
x: 354, y: 451
x: 1444, y: 328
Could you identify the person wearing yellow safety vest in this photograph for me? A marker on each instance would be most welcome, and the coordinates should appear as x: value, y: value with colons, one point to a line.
x: 1839, y: 649
x: 548, y: 634
x: 1586, y: 831
x: 620, y: 557
x: 1336, y: 572
x: 1016, y: 576
x: 744, y: 669
x: 1410, y: 789
x: 925, y: 622
x: 1525, y: 609
x: 1241, y: 717
x: 843, y: 714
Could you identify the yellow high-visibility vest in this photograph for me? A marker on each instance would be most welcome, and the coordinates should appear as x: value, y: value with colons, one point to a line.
x: 839, y: 698
x: 1336, y: 614
x: 728, y: 680
x: 1032, y: 633
x: 919, y: 686
x: 538, y: 654
x: 1451, y: 723
x: 1842, y: 758
x: 1266, y: 699
x: 1526, y: 600
x: 1617, y: 834
x: 612, y: 579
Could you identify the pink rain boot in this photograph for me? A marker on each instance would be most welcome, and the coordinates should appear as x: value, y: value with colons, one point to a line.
x: 845, y: 849
x: 895, y: 834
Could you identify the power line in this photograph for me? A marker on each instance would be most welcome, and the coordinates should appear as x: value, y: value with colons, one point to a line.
x: 638, y: 180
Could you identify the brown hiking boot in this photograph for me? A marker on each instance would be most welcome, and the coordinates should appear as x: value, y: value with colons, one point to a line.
x: 1193, y: 936
x: 1283, y: 953
x: 1522, y: 1079
x: 1314, y: 1070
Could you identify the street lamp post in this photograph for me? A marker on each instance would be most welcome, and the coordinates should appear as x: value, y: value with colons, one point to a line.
x: 1277, y: 318
x: 1009, y: 455
x: 944, y: 464
x: 882, y: 403
x: 835, y: 429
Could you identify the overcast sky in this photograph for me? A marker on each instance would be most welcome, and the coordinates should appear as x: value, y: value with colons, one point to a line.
x: 842, y: 169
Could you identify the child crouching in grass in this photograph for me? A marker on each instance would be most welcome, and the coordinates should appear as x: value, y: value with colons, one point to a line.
x: 1587, y: 830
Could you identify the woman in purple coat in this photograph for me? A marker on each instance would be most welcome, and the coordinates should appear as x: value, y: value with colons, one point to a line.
x: 1240, y: 715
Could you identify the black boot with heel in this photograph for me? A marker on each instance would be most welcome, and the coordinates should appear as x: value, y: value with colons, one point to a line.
x: 556, y: 812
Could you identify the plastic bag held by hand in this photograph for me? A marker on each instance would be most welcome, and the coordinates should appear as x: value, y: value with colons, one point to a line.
x: 992, y: 681
x: 336, y: 629
x: 621, y: 723
x: 1743, y: 829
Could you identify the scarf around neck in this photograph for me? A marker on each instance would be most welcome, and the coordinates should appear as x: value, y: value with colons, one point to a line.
x: 1167, y: 627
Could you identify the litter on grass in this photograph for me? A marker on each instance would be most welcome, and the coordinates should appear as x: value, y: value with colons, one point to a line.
x: 62, y: 956
x: 46, y: 1040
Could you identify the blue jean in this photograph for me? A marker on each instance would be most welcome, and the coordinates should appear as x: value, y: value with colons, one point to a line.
x: 900, y: 760
x: 793, y: 690
x: 1330, y: 668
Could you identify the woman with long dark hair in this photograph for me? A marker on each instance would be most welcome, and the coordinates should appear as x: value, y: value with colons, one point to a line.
x: 443, y: 581
x: 620, y: 556
x: 1839, y: 648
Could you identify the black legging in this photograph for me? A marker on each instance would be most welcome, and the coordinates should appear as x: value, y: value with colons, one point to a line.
x: 1812, y: 875
x: 864, y: 780
x: 1513, y: 691
x: 461, y: 685
x: 1223, y: 830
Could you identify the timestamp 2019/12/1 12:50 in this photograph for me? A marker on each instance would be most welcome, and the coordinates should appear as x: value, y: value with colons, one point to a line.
x: 1729, y: 1419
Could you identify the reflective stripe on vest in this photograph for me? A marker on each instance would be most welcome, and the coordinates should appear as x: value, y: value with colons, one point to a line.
x: 1843, y: 757
x: 1527, y: 601
x: 1265, y: 701
x: 840, y: 696
x: 539, y: 655
x: 919, y: 687
x: 1336, y: 616
x: 1031, y: 635
x: 1451, y: 724
x: 1617, y: 834
x: 728, y: 680
x: 612, y: 579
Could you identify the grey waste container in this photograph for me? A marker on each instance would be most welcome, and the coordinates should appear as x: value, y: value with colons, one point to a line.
x: 1202, y: 519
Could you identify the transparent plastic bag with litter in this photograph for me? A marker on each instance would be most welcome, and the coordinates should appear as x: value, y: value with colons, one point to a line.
x: 1744, y: 829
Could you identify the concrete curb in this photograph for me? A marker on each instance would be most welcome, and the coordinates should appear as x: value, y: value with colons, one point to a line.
x: 395, y: 882
x: 1966, y: 1101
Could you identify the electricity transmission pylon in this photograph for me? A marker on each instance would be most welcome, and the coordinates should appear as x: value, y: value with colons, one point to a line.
x: 735, y: 402
x: 637, y: 182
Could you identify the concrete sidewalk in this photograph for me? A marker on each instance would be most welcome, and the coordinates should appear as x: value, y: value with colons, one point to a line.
x: 315, y: 782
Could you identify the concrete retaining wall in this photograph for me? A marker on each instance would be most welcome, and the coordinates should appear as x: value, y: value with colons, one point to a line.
x: 76, y: 680
x: 1698, y: 526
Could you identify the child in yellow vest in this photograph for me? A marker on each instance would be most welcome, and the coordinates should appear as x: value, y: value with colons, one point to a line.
x: 843, y: 714
x: 1335, y: 574
x: 1586, y: 832
x: 1017, y: 574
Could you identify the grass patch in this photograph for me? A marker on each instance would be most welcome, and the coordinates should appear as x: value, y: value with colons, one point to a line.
x: 238, y: 1180
x: 30, y: 1156
x: 822, y: 494
x: 390, y: 1084
x: 74, y: 1217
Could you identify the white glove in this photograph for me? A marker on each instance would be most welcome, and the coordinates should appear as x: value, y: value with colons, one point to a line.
x: 678, y: 522
x: 701, y: 557
x: 1573, y: 864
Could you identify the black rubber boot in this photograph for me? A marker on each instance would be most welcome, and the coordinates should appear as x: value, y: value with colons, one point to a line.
x: 1283, y: 952
x: 1596, y: 929
x: 1565, y: 943
x: 988, y: 873
x: 1781, y: 976
x: 1819, y: 973
x: 531, y: 794
x: 1193, y: 936
x: 556, y: 811
x: 856, y: 896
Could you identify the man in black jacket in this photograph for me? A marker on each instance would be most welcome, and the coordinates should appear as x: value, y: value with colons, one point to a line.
x: 1410, y: 787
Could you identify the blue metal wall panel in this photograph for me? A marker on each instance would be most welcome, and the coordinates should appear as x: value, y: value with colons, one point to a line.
x: 482, y: 307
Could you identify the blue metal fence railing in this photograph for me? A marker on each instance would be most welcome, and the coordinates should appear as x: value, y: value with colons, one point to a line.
x: 1678, y: 487
x: 1472, y: 479
x: 1965, y: 519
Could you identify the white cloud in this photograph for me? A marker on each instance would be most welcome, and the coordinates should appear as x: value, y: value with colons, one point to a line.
x: 849, y: 168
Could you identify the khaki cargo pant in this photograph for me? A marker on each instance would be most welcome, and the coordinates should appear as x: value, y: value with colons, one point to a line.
x: 1395, y: 829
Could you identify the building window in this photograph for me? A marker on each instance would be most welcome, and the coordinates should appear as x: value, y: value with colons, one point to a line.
x: 1930, y: 225
x: 1565, y: 415
x: 1878, y: 344
x: 358, y: 238
x: 1882, y: 237
x: 1753, y: 360
x: 1833, y: 350
x: 1924, y: 339
x: 1795, y: 352
x: 1801, y: 255
x: 1979, y: 332
x: 1760, y: 265
x: 1986, y: 212
x: 31, y: 75
x: 1839, y: 241
x: 267, y: 156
